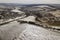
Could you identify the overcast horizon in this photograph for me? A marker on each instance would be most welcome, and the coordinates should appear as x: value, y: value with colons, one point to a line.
x: 31, y: 1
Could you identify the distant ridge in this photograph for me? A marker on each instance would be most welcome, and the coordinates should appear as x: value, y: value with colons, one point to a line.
x: 29, y: 5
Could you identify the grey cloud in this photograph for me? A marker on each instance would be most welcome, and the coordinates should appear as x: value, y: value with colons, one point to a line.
x: 31, y: 1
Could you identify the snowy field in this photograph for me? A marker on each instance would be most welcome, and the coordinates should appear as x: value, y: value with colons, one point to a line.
x: 16, y: 31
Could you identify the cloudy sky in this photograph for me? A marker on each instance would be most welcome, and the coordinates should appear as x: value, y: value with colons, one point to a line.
x: 31, y: 1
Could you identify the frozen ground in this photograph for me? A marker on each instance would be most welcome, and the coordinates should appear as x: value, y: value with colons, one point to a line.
x: 16, y: 31
x: 33, y: 32
x: 10, y: 31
